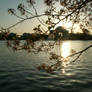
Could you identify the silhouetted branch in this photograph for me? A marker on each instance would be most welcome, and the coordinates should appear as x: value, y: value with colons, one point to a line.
x: 83, y: 4
x: 80, y: 51
x: 61, y: 60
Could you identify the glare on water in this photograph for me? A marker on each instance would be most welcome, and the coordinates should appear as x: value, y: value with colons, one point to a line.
x: 65, y: 49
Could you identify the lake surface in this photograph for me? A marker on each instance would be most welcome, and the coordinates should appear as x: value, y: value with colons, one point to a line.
x: 18, y: 71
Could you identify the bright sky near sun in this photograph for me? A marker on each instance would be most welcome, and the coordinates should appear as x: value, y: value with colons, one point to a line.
x: 7, y: 20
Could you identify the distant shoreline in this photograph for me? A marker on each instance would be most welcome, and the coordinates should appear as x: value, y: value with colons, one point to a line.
x: 50, y: 40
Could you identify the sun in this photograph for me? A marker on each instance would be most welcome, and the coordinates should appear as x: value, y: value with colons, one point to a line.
x: 66, y: 25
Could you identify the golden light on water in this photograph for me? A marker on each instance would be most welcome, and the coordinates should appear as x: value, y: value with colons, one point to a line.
x: 65, y: 49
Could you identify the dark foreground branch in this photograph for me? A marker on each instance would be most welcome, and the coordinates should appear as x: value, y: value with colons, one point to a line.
x: 62, y: 62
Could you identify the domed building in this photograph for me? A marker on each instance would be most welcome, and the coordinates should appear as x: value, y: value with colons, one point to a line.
x: 58, y: 33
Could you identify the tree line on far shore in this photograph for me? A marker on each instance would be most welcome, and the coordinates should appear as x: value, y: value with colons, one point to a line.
x: 58, y: 33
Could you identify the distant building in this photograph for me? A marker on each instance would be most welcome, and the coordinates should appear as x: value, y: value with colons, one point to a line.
x: 59, y: 32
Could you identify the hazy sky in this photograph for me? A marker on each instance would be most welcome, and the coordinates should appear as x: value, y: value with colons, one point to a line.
x: 7, y: 20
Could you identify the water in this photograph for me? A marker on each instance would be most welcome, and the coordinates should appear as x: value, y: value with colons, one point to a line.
x: 18, y: 71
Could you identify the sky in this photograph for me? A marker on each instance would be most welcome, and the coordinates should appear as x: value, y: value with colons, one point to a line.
x: 7, y: 20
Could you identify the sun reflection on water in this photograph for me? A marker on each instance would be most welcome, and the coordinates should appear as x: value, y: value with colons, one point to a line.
x: 65, y: 49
